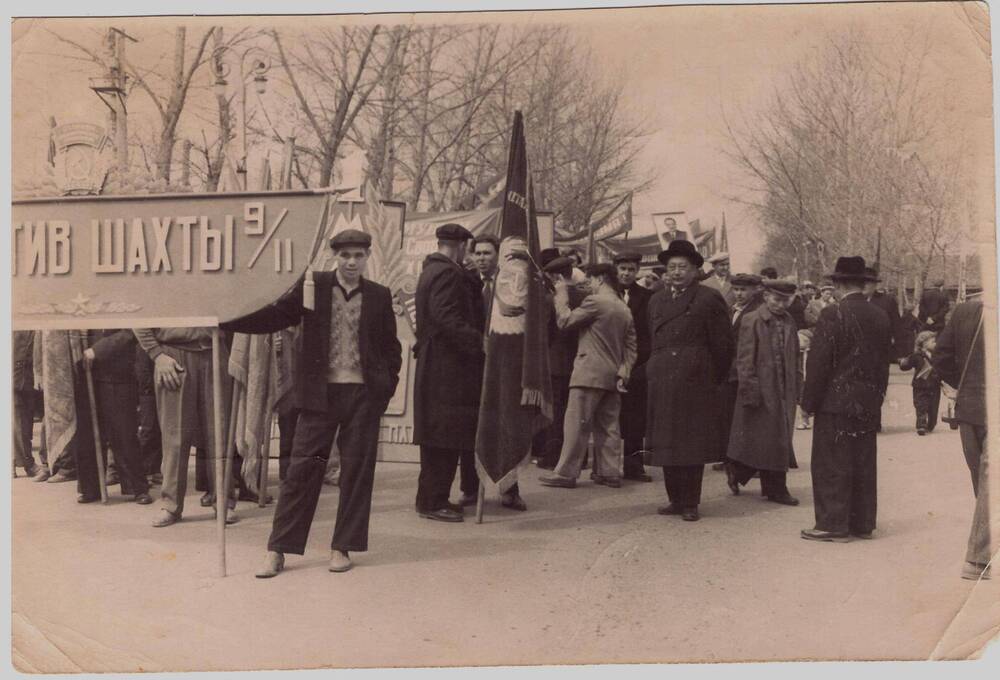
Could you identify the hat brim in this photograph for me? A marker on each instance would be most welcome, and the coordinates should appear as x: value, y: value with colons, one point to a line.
x: 855, y: 278
x: 694, y: 258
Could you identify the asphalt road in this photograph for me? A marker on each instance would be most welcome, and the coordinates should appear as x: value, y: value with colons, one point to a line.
x: 588, y: 575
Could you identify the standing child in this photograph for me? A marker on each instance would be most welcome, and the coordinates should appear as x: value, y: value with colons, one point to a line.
x: 926, y: 381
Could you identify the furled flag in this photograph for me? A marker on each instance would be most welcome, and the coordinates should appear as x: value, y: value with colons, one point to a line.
x: 517, y: 390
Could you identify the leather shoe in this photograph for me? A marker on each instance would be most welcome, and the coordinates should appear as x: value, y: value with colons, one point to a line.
x: 340, y: 562
x: 166, y: 518
x: 231, y: 516
x: 690, y: 514
x: 513, y: 501
x: 111, y: 479
x: 455, y: 507
x: 867, y: 535
x: 731, y: 482
x: 273, y: 564
x: 61, y: 476
x: 143, y: 499
x: 828, y: 536
x: 253, y: 497
x: 208, y: 500
x: 86, y: 498
x: 556, y: 480
x: 42, y: 474
x: 975, y: 572
x: 442, y: 515
x: 612, y: 482
x: 786, y: 499
x: 467, y: 500
x: 670, y: 509
x: 641, y: 477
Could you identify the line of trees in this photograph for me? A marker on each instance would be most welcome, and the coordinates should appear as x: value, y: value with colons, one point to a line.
x: 429, y: 106
x: 852, y: 156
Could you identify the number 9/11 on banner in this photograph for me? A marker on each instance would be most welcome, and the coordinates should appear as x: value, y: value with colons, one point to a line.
x: 172, y: 260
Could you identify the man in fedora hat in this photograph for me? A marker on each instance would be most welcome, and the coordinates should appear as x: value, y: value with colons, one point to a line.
x: 691, y: 353
x: 719, y: 277
x: 449, y: 375
x: 846, y: 377
x: 347, y: 374
x: 764, y: 421
x: 633, y: 408
x: 934, y: 304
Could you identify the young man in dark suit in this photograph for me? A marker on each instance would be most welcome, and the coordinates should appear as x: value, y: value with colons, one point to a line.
x: 846, y: 378
x: 348, y: 372
x: 633, y: 409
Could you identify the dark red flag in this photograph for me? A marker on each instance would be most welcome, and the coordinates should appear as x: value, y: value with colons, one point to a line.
x: 517, y: 389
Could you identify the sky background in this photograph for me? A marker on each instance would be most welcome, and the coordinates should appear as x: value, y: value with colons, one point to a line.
x: 683, y: 67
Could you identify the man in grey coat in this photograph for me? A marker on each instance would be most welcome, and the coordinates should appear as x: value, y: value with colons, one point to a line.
x: 604, y: 360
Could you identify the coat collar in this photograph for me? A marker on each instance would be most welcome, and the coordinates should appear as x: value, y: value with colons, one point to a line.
x: 671, y: 307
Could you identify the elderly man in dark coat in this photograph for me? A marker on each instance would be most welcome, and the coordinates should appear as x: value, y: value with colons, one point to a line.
x: 846, y: 377
x: 960, y: 357
x: 746, y: 298
x: 449, y: 373
x: 692, y: 349
x: 767, y: 365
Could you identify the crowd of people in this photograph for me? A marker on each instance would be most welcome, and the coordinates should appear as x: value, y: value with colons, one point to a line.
x: 676, y: 368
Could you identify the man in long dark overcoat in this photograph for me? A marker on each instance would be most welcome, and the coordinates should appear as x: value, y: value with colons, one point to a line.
x: 691, y: 352
x: 767, y: 354
x: 846, y: 377
x: 632, y: 419
x: 449, y: 373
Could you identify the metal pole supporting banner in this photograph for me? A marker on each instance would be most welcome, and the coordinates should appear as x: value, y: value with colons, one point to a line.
x: 217, y: 438
x: 265, y: 461
x: 480, y: 501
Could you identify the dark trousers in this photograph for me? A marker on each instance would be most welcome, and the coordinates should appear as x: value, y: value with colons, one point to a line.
x: 979, y: 550
x: 469, y: 482
x: 927, y: 401
x: 844, y: 474
x: 773, y: 483
x: 547, y: 444
x: 117, y: 413
x: 286, y: 436
x: 116, y: 404
x: 24, y: 405
x: 437, y: 472
x: 150, y: 441
x: 632, y: 422
x: 683, y: 483
x: 350, y: 410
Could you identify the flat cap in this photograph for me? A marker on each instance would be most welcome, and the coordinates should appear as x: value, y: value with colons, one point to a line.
x: 719, y: 257
x: 351, y: 238
x: 548, y: 255
x: 780, y: 286
x: 560, y: 265
x: 452, y: 232
x: 628, y: 257
x: 745, y: 280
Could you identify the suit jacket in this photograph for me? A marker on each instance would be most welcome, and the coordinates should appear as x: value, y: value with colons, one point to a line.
x: 933, y: 306
x: 450, y: 355
x: 847, y: 371
x: 954, y: 348
x: 607, y: 345
x: 721, y: 285
x: 638, y: 300
x: 735, y: 320
x: 563, y: 343
x: 114, y: 355
x: 23, y: 361
x: 381, y: 353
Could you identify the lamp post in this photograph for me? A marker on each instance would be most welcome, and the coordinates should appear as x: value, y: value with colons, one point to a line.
x: 259, y: 64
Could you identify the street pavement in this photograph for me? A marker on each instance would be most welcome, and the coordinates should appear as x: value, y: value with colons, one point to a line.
x: 588, y: 575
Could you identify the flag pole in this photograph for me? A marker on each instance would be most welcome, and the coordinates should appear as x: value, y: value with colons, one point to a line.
x: 95, y: 425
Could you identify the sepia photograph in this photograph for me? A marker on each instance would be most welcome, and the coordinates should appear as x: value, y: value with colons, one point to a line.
x: 562, y: 335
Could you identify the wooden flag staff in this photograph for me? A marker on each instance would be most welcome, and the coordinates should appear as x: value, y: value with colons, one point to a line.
x: 94, y: 424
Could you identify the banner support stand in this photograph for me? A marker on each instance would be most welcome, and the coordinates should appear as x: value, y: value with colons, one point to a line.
x: 217, y: 435
x: 480, y: 502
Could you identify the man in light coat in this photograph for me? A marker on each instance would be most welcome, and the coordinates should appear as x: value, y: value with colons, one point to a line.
x: 604, y: 360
